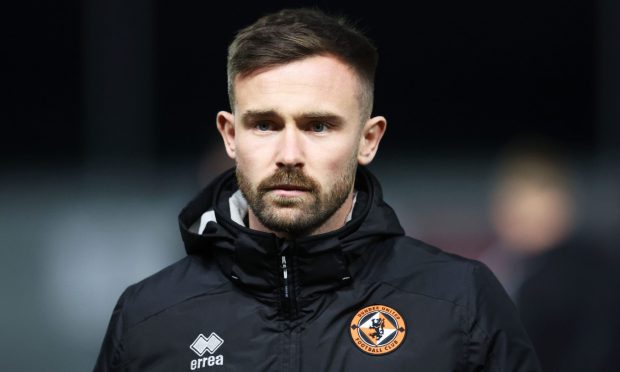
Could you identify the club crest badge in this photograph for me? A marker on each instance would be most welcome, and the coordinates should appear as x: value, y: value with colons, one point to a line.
x: 377, y: 329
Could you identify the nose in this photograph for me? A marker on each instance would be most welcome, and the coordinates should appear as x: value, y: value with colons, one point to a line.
x: 290, y: 152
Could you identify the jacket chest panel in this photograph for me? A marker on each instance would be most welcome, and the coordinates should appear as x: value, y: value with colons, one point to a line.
x: 222, y: 332
x: 432, y: 338
x: 246, y: 334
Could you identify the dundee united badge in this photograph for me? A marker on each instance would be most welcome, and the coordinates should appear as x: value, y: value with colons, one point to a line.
x: 377, y: 329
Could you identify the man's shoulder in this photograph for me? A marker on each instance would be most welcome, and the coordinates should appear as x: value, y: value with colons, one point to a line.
x: 413, y: 256
x: 414, y: 266
x: 190, y: 277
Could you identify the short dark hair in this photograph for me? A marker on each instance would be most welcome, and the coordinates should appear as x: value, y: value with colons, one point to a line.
x: 294, y: 34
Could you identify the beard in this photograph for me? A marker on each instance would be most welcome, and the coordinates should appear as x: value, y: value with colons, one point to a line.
x: 296, y: 215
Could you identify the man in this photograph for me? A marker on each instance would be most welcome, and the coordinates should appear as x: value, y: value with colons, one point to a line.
x: 294, y: 262
x: 549, y: 265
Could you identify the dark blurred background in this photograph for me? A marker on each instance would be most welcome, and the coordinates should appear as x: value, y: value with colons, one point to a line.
x: 109, y: 129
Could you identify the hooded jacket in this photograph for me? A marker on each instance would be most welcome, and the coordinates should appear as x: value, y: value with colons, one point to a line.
x: 361, y: 298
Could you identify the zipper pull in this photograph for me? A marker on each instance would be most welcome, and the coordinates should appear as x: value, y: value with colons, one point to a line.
x: 285, y: 275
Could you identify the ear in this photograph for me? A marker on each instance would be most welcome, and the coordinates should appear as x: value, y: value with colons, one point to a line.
x: 226, y: 127
x: 372, y: 132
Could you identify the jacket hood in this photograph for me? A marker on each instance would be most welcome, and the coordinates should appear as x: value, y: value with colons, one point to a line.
x: 252, y: 257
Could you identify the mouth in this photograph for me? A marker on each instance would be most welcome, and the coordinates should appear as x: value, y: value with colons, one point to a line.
x: 287, y: 190
x: 288, y: 187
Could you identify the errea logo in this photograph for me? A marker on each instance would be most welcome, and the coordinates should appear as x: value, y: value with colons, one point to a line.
x: 210, y: 344
x: 203, y: 344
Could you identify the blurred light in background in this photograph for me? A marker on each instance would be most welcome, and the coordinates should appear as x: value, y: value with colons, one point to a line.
x: 71, y: 242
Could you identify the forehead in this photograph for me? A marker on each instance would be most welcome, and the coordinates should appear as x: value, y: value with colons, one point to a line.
x: 318, y: 83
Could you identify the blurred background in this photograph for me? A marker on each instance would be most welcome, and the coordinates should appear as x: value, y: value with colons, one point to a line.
x: 502, y: 145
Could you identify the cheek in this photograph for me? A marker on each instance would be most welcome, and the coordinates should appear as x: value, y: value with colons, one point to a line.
x: 252, y: 148
x: 343, y: 155
x: 245, y: 163
x: 247, y: 150
x: 254, y: 164
x: 341, y: 161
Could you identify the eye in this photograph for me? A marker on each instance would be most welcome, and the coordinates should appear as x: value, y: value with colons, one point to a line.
x: 319, y: 126
x: 262, y: 126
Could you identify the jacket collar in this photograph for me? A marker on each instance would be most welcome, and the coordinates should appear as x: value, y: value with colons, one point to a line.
x: 253, y: 259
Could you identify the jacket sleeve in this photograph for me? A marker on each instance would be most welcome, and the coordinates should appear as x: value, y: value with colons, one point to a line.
x: 110, y: 355
x: 497, y: 340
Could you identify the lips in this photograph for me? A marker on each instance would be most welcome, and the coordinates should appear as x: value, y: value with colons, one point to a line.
x: 287, y: 187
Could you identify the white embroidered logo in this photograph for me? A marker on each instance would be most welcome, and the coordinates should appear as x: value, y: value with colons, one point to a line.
x: 203, y: 344
x: 210, y: 344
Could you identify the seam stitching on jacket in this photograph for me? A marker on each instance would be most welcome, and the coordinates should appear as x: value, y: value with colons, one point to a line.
x: 130, y: 327
x: 425, y: 295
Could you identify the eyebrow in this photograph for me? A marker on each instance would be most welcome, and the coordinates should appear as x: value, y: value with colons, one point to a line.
x: 322, y: 115
x: 251, y: 115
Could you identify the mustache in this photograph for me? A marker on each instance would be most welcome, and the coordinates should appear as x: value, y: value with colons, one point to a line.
x: 289, y: 177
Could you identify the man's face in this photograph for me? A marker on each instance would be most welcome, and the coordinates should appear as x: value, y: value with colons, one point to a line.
x: 295, y: 136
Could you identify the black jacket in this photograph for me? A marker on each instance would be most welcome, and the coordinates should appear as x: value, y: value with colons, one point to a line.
x: 361, y: 298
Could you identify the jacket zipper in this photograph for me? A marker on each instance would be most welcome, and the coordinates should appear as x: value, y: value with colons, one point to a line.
x: 289, y: 304
x: 285, y: 277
